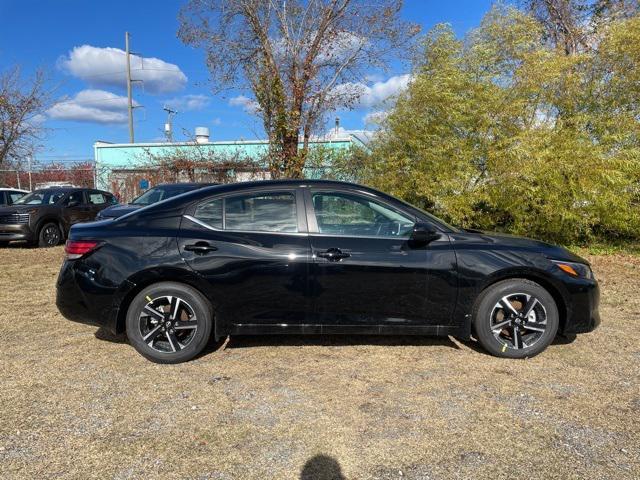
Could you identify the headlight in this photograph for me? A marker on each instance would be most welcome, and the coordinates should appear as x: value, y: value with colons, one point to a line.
x: 578, y: 270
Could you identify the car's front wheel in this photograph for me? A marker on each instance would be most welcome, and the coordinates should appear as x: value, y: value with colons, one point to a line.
x: 169, y: 322
x: 50, y: 235
x: 515, y: 318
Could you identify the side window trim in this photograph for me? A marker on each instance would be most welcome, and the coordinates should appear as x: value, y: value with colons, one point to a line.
x: 313, y: 223
x: 301, y: 217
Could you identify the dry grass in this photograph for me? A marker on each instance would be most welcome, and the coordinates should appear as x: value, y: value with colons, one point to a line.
x: 77, y: 405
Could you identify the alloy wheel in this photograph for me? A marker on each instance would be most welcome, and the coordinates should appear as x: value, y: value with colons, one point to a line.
x: 518, y: 321
x: 51, y: 235
x: 167, y: 324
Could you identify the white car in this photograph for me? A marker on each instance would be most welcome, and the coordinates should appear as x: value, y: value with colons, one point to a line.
x: 9, y: 195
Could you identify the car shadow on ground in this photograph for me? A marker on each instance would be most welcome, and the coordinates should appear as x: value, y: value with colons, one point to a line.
x: 347, y: 340
x: 106, y: 336
x: 559, y: 340
x: 20, y: 245
x: 298, y: 340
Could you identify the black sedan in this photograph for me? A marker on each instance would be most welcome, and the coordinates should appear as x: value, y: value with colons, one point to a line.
x: 316, y: 257
x: 151, y: 196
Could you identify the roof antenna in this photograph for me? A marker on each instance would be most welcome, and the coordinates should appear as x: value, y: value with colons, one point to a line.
x: 168, y: 127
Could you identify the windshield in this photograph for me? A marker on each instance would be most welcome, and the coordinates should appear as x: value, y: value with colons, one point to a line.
x: 41, y: 197
x: 157, y: 194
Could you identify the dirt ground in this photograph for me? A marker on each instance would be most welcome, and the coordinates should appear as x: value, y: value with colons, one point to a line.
x: 77, y: 403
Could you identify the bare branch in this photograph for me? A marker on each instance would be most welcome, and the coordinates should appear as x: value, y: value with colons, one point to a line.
x: 292, y: 54
x: 22, y: 107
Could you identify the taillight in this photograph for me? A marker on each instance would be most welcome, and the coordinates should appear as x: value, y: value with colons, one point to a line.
x: 77, y: 248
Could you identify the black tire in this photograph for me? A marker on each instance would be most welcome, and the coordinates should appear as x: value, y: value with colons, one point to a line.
x: 527, y: 313
x: 169, y: 345
x: 49, y: 235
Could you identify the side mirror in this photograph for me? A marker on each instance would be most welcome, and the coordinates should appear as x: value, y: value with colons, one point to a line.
x: 73, y: 203
x: 423, y: 233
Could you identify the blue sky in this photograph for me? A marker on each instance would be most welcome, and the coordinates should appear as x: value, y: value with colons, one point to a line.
x: 71, y: 40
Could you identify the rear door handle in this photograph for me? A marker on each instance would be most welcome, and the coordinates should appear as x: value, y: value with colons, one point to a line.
x: 200, y: 248
x: 333, y: 254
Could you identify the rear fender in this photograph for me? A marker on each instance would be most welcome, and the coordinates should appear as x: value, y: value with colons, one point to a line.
x: 140, y: 280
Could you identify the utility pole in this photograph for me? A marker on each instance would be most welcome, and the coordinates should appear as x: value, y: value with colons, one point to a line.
x: 30, y: 187
x: 168, y: 127
x: 129, y: 99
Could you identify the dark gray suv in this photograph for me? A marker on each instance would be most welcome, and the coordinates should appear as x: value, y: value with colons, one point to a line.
x: 44, y: 217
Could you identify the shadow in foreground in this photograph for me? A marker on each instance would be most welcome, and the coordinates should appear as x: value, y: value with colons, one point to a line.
x: 321, y: 467
x: 346, y: 340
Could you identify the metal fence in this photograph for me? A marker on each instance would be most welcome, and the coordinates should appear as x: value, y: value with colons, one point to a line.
x: 30, y: 179
x: 125, y: 182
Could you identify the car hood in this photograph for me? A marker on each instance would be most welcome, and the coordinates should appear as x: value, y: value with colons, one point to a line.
x: 515, y: 242
x: 119, y: 210
x: 17, y: 209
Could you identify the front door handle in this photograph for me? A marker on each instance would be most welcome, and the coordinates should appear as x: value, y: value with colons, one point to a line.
x: 200, y: 248
x: 333, y: 254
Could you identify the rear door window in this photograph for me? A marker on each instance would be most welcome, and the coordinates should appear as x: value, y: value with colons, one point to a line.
x: 75, y: 198
x: 253, y: 212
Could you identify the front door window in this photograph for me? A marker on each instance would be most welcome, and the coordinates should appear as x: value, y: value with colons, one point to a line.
x: 352, y: 215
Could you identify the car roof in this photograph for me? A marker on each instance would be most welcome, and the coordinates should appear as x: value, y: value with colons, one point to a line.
x: 11, y: 189
x: 186, y: 184
x: 224, y: 188
x: 289, y: 182
x: 60, y: 189
x: 69, y: 190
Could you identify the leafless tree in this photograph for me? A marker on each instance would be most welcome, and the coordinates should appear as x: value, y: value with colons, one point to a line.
x: 23, y: 103
x: 573, y: 25
x: 300, y: 59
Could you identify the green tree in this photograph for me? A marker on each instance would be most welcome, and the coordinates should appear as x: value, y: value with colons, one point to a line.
x: 502, y: 130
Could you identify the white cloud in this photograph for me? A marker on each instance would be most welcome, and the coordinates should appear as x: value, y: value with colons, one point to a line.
x: 375, y: 118
x: 376, y: 95
x: 344, y: 45
x: 188, y: 103
x: 96, y: 106
x: 249, y: 106
x: 380, y: 92
x: 106, y: 67
x: 373, y: 77
x: 216, y: 121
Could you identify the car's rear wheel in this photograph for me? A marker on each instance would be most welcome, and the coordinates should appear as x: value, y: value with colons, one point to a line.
x: 49, y: 235
x: 515, y: 318
x: 169, y: 322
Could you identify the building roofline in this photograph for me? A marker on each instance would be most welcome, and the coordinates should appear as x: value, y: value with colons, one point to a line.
x: 102, y: 144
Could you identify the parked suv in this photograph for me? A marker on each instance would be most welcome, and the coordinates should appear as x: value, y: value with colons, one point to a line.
x: 45, y: 216
x: 9, y: 195
x: 153, y: 195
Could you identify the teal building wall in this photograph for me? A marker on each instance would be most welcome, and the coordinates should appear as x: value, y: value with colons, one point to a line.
x: 111, y: 156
